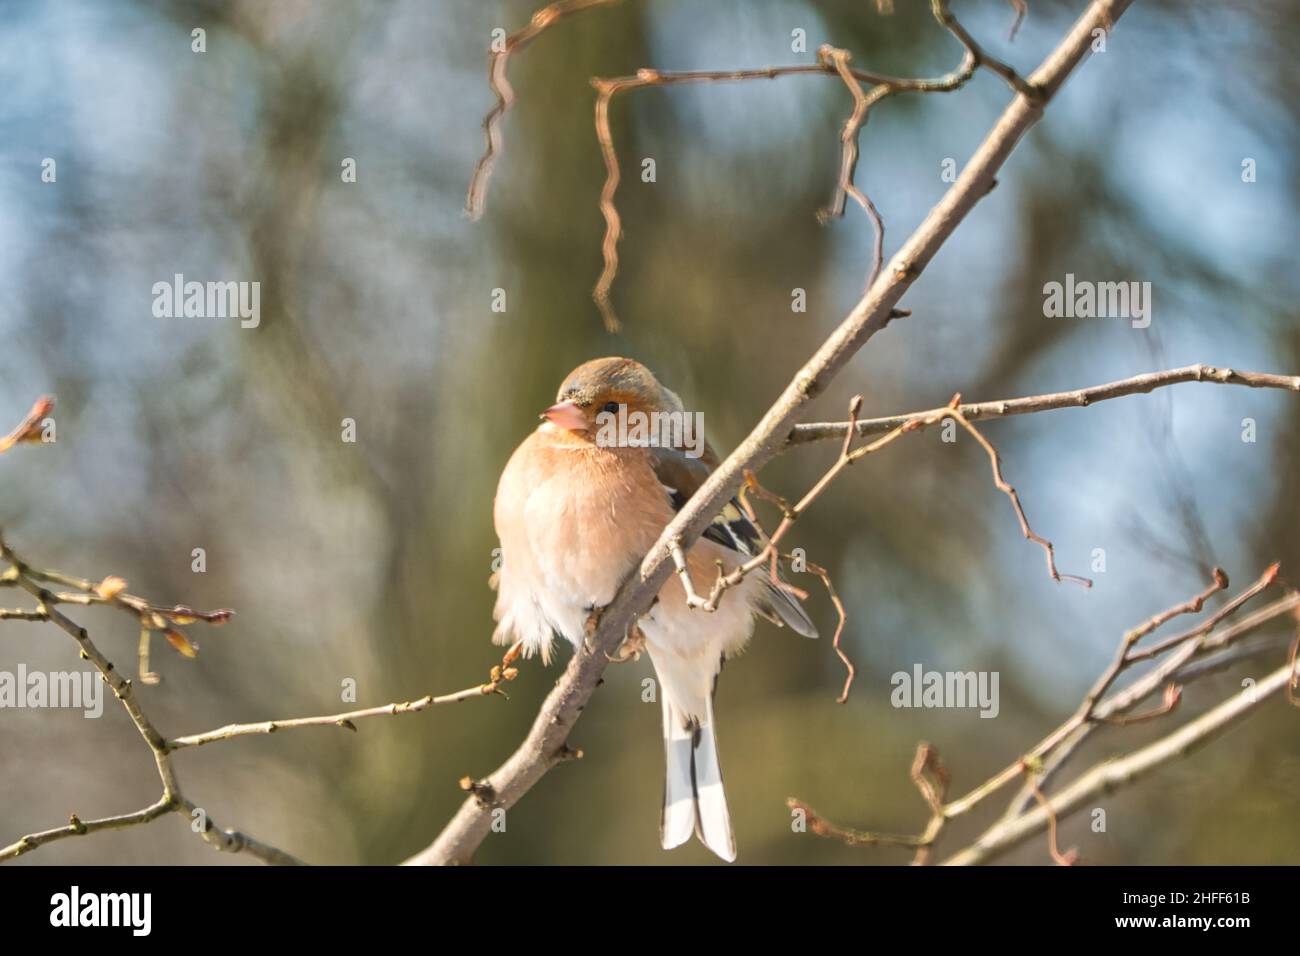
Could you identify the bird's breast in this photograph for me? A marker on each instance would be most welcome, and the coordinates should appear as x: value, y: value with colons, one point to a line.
x: 572, y: 521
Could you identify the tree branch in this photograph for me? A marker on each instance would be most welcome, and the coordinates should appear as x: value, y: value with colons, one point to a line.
x: 336, y: 720
x: 1112, y: 774
x: 111, y: 591
x: 1078, y: 398
x: 498, y: 61
x: 830, y: 62
x: 1038, y: 763
x: 545, y: 743
x: 29, y: 429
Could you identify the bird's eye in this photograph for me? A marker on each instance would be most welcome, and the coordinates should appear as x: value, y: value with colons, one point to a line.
x: 611, y: 407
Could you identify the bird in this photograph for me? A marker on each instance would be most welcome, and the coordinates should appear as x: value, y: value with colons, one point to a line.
x: 577, y: 507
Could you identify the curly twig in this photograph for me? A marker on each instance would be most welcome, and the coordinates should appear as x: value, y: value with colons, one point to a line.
x: 830, y: 62
x: 847, y: 457
x: 498, y: 60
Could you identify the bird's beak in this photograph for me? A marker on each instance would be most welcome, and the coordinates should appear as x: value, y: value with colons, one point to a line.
x: 566, y: 415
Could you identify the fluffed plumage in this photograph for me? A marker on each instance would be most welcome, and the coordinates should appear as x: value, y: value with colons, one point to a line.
x: 575, y: 514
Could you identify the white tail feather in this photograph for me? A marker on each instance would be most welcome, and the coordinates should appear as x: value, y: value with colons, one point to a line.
x: 693, y: 798
x: 678, y: 820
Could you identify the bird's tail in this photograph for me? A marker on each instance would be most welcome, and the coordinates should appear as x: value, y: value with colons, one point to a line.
x: 693, y: 797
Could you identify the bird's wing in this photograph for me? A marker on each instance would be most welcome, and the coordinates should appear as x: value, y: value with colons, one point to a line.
x: 681, y: 476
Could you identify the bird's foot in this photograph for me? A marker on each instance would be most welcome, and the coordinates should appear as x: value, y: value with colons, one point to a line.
x: 630, y: 649
x: 589, y: 630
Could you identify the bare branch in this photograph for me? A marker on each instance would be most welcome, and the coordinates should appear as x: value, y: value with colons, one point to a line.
x: 1068, y: 858
x: 1077, y: 398
x: 331, y: 720
x: 542, y: 747
x: 1004, y: 487
x: 770, y: 553
x: 111, y: 591
x: 1022, y: 9
x: 78, y: 827
x: 842, y: 617
x: 29, y: 429
x: 1048, y: 755
x: 1062, y: 742
x: 498, y: 60
x: 1123, y: 658
x: 830, y: 61
x: 1205, y: 627
x: 933, y: 789
x: 1026, y: 88
x: 1109, y: 775
x: 848, y: 836
x: 1295, y: 674
x: 847, y: 185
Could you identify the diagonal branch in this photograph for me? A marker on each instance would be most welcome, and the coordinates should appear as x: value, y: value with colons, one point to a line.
x: 545, y: 744
x: 1111, y: 774
x: 1193, y: 658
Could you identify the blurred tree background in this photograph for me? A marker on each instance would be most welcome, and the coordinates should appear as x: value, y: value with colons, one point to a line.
x: 369, y: 560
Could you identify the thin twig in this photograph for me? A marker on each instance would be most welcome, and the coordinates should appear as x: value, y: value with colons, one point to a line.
x: 1295, y: 674
x: 1045, y: 757
x: 1061, y: 742
x: 1068, y: 858
x: 848, y: 456
x: 830, y: 62
x: 1022, y: 9
x: 1181, y: 667
x: 111, y: 591
x: 933, y: 789
x: 1109, y: 775
x: 29, y: 429
x: 850, y: 837
x: 78, y: 827
x: 1266, y: 580
x: 847, y: 183
x: 22, y: 575
x: 1077, y: 398
x: 842, y: 617
x: 1025, y: 88
x: 498, y: 61
x: 1123, y: 658
x: 336, y: 720
x: 1005, y: 487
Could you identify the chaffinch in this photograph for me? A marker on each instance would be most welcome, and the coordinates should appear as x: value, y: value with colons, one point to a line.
x: 578, y: 506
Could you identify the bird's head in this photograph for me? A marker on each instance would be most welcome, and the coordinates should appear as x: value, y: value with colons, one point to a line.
x: 608, y: 385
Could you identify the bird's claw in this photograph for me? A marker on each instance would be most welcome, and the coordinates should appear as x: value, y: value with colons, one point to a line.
x: 630, y: 649
x: 589, y: 630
